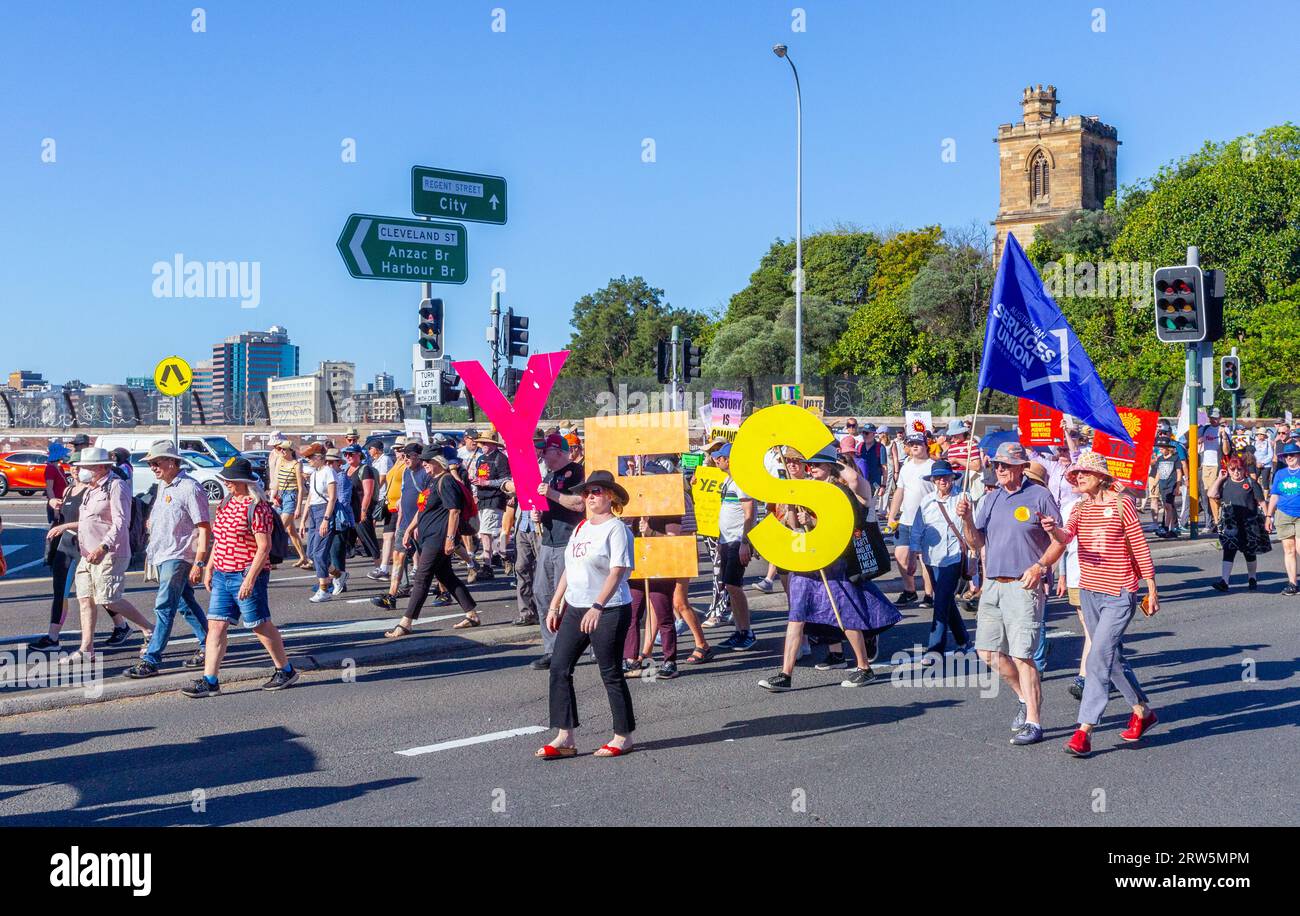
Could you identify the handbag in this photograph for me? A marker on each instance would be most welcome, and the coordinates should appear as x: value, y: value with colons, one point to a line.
x: 969, y: 562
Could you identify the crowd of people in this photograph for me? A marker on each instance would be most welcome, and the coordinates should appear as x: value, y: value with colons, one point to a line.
x: 995, y: 534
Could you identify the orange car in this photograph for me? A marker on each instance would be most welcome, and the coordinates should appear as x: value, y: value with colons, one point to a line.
x: 24, y: 472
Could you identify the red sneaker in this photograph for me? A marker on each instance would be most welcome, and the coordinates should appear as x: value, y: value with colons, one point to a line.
x: 1080, y: 745
x: 1138, y: 726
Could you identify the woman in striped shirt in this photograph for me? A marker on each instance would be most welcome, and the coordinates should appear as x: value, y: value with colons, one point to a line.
x: 1113, y: 556
x: 286, y: 490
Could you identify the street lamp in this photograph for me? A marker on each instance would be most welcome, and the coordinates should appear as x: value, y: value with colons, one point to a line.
x: 782, y: 51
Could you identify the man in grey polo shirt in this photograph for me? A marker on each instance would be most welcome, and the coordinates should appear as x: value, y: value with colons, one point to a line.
x: 1019, y: 553
x: 180, y: 532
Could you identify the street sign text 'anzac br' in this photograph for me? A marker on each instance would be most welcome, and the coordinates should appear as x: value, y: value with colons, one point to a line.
x: 389, y: 248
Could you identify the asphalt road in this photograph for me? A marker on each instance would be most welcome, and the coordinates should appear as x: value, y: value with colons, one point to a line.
x: 712, y: 747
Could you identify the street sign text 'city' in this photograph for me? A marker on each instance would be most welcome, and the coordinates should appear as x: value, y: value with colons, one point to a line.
x: 458, y: 195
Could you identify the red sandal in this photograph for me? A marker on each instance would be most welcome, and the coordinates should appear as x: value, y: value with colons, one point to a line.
x: 608, y: 750
x: 549, y: 752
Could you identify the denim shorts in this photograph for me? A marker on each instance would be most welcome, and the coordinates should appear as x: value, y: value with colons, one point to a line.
x: 288, y: 502
x: 225, y: 604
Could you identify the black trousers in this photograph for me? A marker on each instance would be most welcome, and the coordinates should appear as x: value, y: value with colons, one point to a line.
x: 61, y: 568
x: 435, y: 564
x: 363, y: 534
x: 607, y: 640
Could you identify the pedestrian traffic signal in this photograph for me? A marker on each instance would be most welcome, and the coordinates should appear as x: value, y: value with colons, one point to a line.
x: 1188, y: 308
x: 516, y: 334
x: 431, y: 328
x: 448, y: 388
x: 692, y: 357
x: 1230, y: 373
x: 510, y: 382
x: 663, y: 362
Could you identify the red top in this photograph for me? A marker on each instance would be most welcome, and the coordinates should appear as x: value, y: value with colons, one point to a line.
x: 1113, y: 552
x: 55, y: 477
x: 234, y: 545
x: 958, y: 454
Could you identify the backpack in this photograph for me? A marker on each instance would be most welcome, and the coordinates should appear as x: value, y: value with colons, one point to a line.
x: 279, y: 537
x: 138, y: 534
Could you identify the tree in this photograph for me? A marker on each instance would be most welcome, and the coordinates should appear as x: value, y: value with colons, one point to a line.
x: 617, y: 327
x: 948, y: 301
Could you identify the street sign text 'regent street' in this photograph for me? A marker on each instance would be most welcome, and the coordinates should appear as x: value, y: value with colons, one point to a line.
x: 458, y: 195
x: 389, y: 248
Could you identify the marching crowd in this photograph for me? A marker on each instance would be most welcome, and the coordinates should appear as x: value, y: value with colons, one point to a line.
x: 993, y: 529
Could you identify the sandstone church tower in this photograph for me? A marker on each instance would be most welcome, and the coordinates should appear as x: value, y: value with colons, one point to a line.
x: 1049, y: 166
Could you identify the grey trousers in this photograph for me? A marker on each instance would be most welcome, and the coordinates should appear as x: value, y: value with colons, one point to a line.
x: 1107, y: 617
x: 526, y: 547
x: 550, y: 566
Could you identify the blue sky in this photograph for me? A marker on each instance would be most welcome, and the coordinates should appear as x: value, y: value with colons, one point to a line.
x: 225, y: 145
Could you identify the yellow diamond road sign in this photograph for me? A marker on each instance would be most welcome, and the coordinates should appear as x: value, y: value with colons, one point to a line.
x: 172, y: 376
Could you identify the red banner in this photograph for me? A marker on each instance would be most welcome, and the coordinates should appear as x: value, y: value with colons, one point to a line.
x: 1130, y: 464
x: 1040, y: 425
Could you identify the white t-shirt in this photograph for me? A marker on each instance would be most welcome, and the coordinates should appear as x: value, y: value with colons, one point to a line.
x: 591, y: 552
x: 320, y: 486
x: 731, y: 518
x: 913, y: 487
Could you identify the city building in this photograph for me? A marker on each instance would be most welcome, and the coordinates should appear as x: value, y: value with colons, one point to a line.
x: 299, y: 400
x: 27, y: 380
x: 339, y: 379
x: 383, y: 383
x: 388, y: 407
x: 1050, y: 166
x: 241, y: 366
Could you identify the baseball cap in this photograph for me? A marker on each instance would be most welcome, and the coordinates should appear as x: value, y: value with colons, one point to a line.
x: 916, y: 439
x: 723, y: 451
x: 555, y: 440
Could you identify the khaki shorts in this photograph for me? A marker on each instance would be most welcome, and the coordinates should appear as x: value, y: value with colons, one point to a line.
x: 1009, y: 618
x: 1285, y: 525
x: 1076, y: 599
x: 103, y: 583
x: 489, y: 521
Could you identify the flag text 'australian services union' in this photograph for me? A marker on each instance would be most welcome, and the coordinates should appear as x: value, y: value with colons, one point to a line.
x: 1030, y: 350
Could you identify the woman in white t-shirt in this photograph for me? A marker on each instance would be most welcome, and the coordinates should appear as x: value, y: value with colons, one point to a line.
x: 592, y: 606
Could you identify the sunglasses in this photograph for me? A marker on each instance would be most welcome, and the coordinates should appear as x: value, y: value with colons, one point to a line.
x: 594, y: 491
x: 1003, y: 466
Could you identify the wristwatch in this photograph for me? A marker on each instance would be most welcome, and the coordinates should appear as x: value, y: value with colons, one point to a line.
x: 598, y: 606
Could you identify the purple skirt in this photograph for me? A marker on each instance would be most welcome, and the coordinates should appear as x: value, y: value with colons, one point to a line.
x: 862, y: 607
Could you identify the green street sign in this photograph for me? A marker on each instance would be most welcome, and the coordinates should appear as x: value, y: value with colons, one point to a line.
x: 458, y: 195
x: 390, y: 248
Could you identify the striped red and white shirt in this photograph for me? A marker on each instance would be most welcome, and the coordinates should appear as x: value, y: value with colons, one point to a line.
x: 1113, y: 552
x: 959, y: 454
x: 234, y: 545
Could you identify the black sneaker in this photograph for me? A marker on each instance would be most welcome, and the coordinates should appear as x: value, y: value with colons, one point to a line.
x: 873, y: 648
x: 860, y: 677
x: 927, y: 600
x: 141, y: 671
x: 739, y: 641
x: 196, y: 660
x: 541, y: 664
x: 1290, y: 589
x: 1022, y: 716
x: 1076, y: 689
x: 1252, y: 585
x: 526, y: 620
x: 833, y: 661
x: 387, y: 602
x: 485, y: 574
x: 44, y: 644
x: 776, y: 682
x: 403, y: 592
x: 442, y: 600
x: 667, y: 671
x: 201, y: 688
x: 281, y: 679
x: 1028, y: 734
x: 905, y: 598
x: 118, y: 636
x: 1219, y: 586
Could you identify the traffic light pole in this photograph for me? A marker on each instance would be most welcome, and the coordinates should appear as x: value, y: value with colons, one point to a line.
x: 672, y: 379
x: 1194, y: 397
x: 495, y: 331
x: 426, y: 292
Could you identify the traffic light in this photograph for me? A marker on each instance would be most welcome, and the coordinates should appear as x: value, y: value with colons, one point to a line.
x: 448, y: 387
x: 692, y: 356
x: 1189, y: 304
x: 511, y: 381
x: 516, y: 334
x: 664, y: 362
x: 431, y: 328
x: 1230, y: 373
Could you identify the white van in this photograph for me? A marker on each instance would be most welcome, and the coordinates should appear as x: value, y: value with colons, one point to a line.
x: 216, y: 447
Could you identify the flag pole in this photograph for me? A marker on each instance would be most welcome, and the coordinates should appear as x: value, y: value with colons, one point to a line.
x: 965, y: 485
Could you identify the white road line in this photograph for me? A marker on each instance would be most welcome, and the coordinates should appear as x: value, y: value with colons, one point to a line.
x: 10, y: 549
x: 480, y: 739
x: 14, y: 569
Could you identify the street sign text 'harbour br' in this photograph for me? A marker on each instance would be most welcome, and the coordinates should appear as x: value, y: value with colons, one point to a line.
x: 389, y: 248
x: 458, y: 195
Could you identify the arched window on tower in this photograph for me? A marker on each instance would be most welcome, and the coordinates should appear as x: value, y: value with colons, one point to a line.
x: 1038, y: 178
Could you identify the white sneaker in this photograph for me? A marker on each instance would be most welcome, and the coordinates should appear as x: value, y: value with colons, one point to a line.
x: 764, y: 586
x: 340, y: 585
x: 78, y: 658
x: 320, y: 596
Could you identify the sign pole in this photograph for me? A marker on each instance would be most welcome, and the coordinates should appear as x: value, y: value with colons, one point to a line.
x: 176, y: 423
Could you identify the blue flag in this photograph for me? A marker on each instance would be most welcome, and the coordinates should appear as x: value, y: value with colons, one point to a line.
x: 1030, y: 350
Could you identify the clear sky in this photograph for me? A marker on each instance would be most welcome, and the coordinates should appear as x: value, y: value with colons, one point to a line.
x: 226, y: 145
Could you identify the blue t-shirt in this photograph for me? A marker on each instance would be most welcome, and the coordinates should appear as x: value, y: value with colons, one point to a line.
x: 1286, y: 487
x: 871, y: 458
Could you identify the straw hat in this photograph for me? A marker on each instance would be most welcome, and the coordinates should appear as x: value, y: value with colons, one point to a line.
x: 1090, y: 463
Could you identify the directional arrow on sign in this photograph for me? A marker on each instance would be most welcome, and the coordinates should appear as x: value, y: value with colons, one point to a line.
x: 391, y: 248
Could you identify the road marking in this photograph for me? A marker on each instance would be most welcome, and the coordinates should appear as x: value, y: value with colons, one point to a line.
x: 480, y: 739
x: 14, y: 569
x: 13, y: 548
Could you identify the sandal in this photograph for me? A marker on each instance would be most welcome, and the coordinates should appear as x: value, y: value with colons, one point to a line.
x: 467, y: 623
x: 608, y: 750
x: 549, y: 752
x: 700, y: 656
x: 397, y: 632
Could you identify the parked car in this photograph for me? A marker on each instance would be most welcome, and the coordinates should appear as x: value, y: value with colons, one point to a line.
x: 216, y: 447
x: 203, y: 468
x: 260, y: 459
x: 24, y: 472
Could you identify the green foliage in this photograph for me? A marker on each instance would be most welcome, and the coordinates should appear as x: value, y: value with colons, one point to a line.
x: 617, y: 327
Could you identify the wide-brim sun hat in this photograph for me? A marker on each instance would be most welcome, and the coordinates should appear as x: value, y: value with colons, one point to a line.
x: 161, y: 450
x: 602, y: 479
x: 1291, y: 448
x: 941, y: 468
x: 240, y: 470
x: 1089, y: 463
x: 92, y: 457
x: 1011, y: 453
x: 828, y: 455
